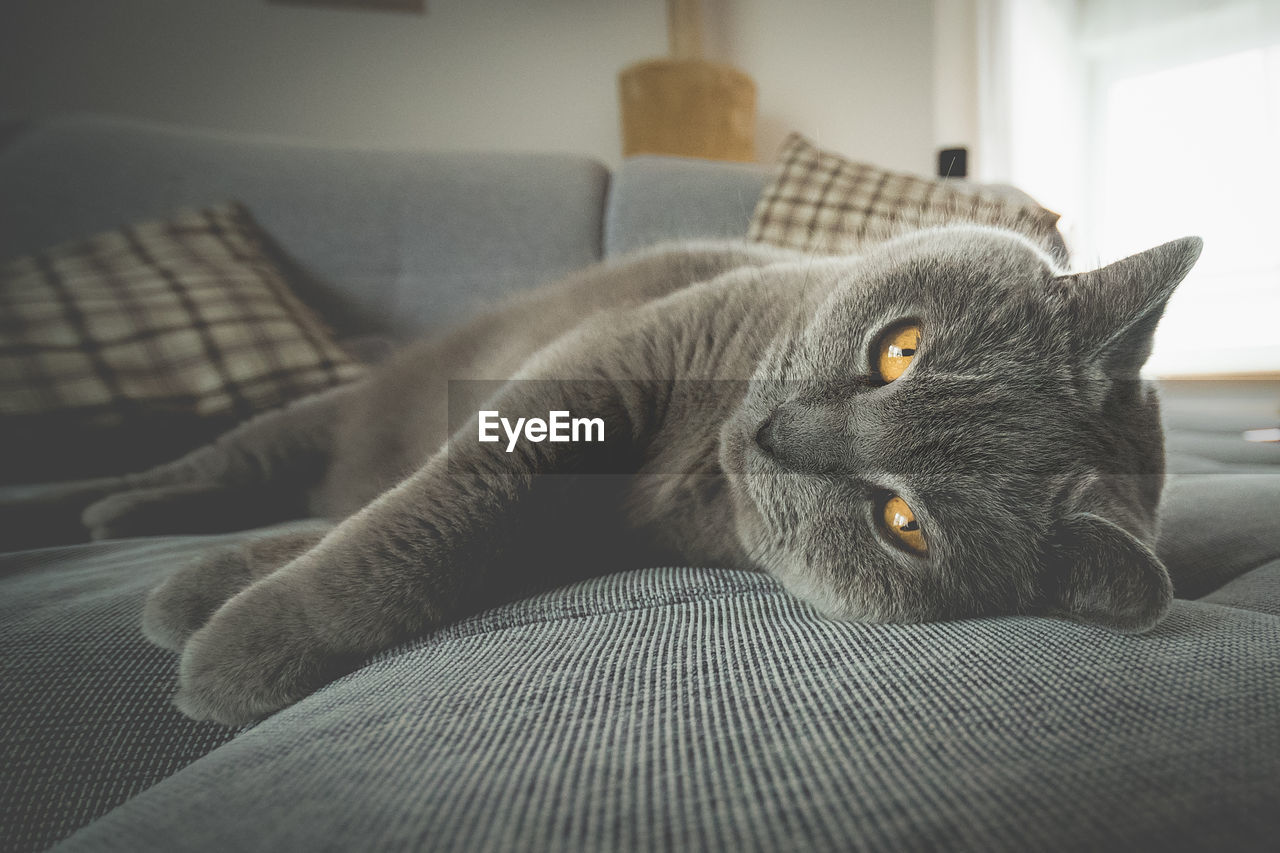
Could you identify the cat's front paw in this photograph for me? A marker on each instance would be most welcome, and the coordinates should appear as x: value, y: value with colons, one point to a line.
x: 181, y: 605
x: 256, y: 655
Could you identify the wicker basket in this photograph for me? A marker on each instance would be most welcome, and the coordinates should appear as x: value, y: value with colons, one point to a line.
x: 688, y: 108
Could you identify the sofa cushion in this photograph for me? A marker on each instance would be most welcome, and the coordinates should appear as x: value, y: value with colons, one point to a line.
x: 399, y: 241
x: 707, y: 709
x: 1258, y: 589
x: 761, y: 713
x: 1216, y: 526
x: 187, y: 313
x: 822, y: 202
x: 85, y: 699
x: 657, y: 199
x: 137, y: 335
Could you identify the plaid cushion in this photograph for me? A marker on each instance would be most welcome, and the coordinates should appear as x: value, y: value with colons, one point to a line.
x: 822, y: 202
x: 158, y: 322
x: 190, y: 313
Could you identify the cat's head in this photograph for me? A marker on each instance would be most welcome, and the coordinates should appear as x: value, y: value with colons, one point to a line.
x: 958, y: 429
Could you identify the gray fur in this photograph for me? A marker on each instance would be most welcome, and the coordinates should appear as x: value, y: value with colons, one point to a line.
x: 746, y: 427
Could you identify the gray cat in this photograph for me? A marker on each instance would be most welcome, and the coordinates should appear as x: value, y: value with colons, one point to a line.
x: 946, y: 426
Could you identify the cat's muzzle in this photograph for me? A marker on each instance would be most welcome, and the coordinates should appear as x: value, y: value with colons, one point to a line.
x: 805, y: 439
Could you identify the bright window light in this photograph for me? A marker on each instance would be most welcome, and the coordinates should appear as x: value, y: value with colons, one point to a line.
x: 1193, y: 149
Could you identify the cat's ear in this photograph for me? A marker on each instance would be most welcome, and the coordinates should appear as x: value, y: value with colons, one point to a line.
x: 1102, y: 575
x: 1114, y: 309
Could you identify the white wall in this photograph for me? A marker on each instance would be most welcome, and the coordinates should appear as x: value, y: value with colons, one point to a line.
x: 955, y: 77
x: 494, y: 74
x: 469, y: 74
x: 854, y: 75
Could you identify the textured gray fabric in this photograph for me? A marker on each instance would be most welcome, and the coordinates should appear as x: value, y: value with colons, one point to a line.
x: 687, y: 709
x: 1216, y: 406
x: 1256, y: 590
x: 1220, y: 516
x: 1179, y: 463
x: 84, y: 698
x: 1204, y: 420
x: 10, y: 127
x: 653, y: 199
x: 398, y: 240
x: 1223, y: 447
x: 1216, y: 526
x: 88, y: 724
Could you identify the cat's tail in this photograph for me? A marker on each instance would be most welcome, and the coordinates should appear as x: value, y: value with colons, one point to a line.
x: 258, y: 473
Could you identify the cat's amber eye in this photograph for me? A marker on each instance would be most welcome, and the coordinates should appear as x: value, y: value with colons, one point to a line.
x: 900, y: 523
x: 896, y: 351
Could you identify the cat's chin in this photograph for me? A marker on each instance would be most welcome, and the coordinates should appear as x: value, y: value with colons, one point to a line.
x: 821, y: 598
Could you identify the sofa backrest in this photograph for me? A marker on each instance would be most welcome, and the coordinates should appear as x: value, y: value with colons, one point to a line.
x: 386, y: 241
x: 655, y: 199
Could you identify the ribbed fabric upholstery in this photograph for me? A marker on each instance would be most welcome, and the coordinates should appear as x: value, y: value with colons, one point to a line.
x: 688, y: 709
x: 84, y: 699
x: 668, y: 708
x: 1255, y: 590
x: 1215, y: 527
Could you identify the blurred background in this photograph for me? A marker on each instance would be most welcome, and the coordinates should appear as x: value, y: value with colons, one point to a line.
x: 1138, y: 120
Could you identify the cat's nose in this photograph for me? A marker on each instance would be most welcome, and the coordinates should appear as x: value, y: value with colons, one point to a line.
x: 805, y: 439
x: 764, y: 435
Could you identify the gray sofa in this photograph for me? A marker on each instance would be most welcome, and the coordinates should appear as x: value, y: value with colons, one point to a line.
x: 672, y: 708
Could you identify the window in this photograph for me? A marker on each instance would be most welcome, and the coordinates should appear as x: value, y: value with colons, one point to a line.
x: 1171, y: 112
x: 1193, y: 148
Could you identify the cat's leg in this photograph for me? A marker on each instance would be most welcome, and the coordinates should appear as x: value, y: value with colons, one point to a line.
x: 256, y: 474
x: 414, y: 559
x: 192, y: 508
x: 184, y: 602
x: 39, y: 516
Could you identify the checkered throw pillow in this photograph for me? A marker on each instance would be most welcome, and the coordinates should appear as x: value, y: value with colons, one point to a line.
x: 185, y: 318
x: 822, y: 202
